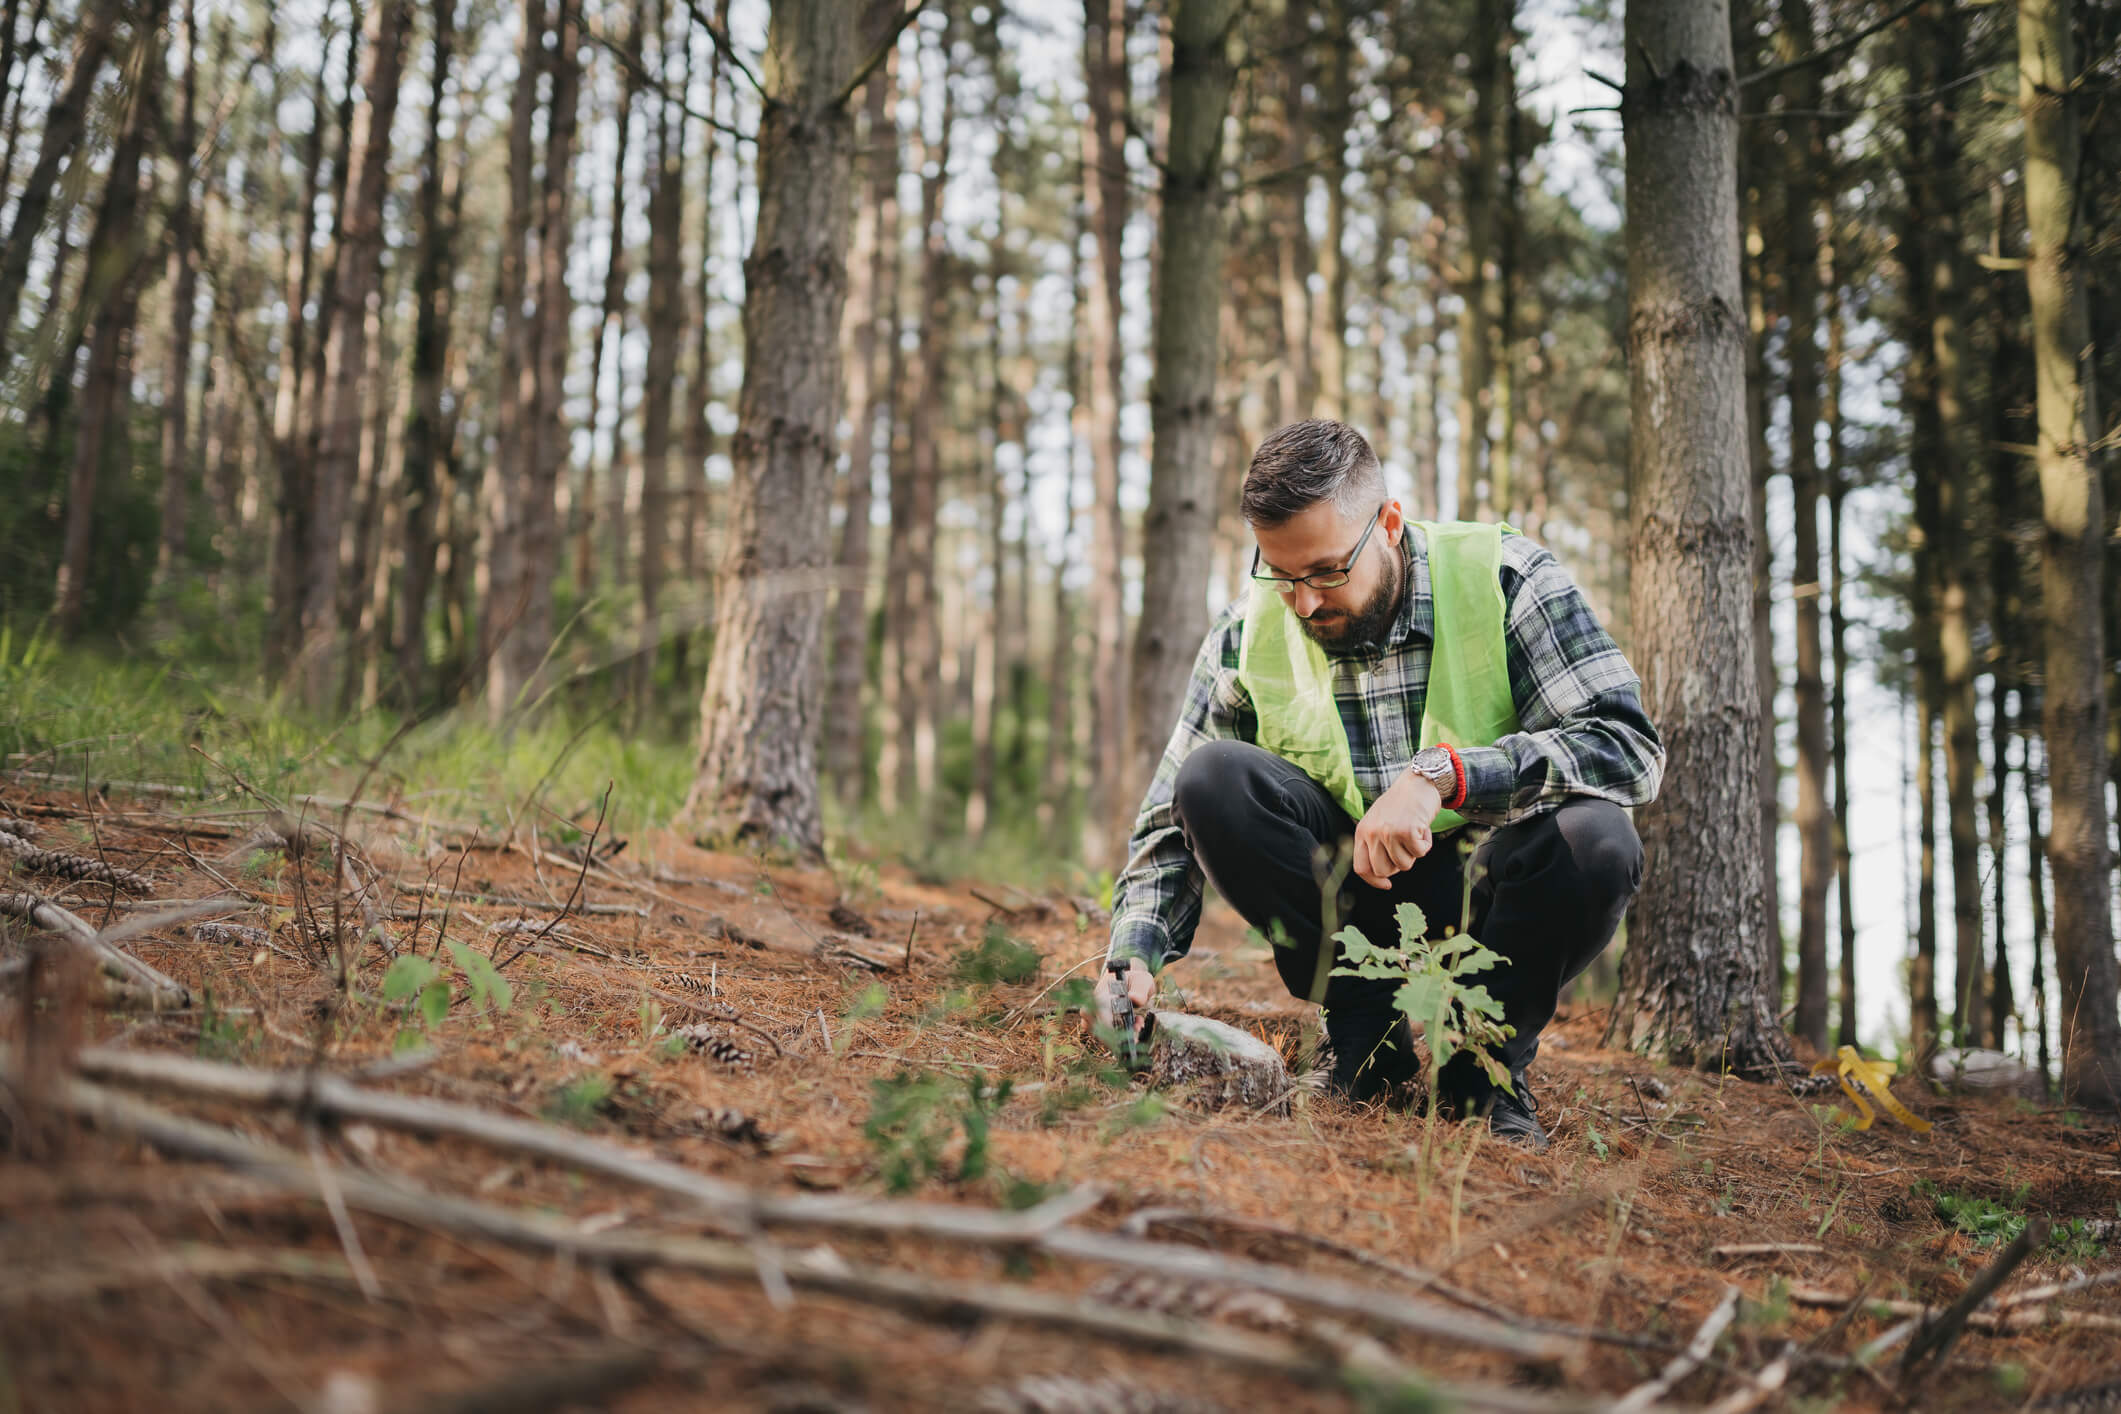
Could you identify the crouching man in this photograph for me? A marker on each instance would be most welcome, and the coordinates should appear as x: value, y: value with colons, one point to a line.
x: 1384, y: 690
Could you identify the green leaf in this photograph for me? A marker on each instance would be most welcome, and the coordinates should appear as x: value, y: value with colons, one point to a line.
x: 1413, y: 923
x: 407, y: 976
x: 488, y: 986
x: 434, y: 1003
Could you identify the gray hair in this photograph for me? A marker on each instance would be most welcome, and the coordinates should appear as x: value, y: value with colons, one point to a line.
x: 1305, y: 463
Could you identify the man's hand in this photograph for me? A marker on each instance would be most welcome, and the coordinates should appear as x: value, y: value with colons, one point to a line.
x: 1394, y: 832
x: 1141, y: 986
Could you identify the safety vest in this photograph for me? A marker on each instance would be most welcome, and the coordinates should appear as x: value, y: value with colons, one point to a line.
x: 1286, y: 674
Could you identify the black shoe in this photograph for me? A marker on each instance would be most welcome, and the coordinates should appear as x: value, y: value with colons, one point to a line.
x: 1511, y: 1120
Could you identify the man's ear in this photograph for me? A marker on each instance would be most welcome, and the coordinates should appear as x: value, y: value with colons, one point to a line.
x: 1394, y: 523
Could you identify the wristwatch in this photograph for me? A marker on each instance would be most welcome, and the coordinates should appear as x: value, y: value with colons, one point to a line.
x: 1435, y: 765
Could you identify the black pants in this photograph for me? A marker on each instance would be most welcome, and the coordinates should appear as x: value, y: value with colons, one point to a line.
x: 1547, y: 894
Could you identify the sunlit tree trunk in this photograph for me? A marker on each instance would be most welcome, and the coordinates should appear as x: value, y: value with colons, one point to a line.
x: 1845, y: 1031
x: 757, y: 775
x: 871, y: 311
x: 290, y: 468
x: 1697, y: 976
x: 2071, y: 560
x: 1336, y: 114
x: 345, y: 384
x: 1179, y: 531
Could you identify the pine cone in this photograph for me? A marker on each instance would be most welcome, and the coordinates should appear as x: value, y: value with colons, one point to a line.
x: 1198, y: 1300
x: 1063, y: 1394
x: 233, y: 934
x: 21, y: 828
x: 78, y: 867
x: 710, y: 1042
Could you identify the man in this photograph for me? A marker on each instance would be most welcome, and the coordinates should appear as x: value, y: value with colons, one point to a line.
x: 1383, y: 691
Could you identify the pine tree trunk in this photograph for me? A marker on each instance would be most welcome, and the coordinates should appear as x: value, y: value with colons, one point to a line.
x: 1488, y: 51
x: 291, y: 494
x: 1697, y: 975
x: 757, y: 776
x: 871, y: 306
x: 1105, y: 197
x: 64, y: 122
x: 1845, y: 1031
x: 1938, y: 32
x: 434, y: 308
x: 613, y: 312
x: 2071, y: 560
x: 1057, y: 800
x: 508, y: 476
x: 1502, y: 454
x: 110, y: 295
x: 346, y: 356
x: 184, y: 293
x: 1297, y: 260
x: 921, y: 666
x: 1179, y: 531
x: 1803, y: 153
x: 1330, y: 328
x: 666, y: 313
x: 2036, y: 880
x: 2008, y: 387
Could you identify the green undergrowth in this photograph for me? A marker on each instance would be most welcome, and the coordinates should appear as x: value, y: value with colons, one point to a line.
x: 90, y: 718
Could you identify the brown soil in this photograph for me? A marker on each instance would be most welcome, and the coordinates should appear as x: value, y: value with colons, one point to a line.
x: 110, y: 1299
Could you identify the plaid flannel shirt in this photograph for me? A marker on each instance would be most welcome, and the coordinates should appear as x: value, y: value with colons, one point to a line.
x: 1579, y: 709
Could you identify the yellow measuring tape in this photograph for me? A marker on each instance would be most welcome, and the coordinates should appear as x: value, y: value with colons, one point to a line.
x: 1848, y: 1063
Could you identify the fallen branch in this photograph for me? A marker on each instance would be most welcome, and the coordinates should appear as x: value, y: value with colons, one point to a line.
x: 477, y: 896
x: 1937, y: 1338
x: 1686, y: 1361
x: 198, y: 1263
x: 2059, y: 1288
x: 2013, y: 1321
x: 1759, y: 1387
x: 896, y: 1291
x: 741, y: 1210
x: 1765, y: 1249
x: 126, y: 968
x: 586, y: 1379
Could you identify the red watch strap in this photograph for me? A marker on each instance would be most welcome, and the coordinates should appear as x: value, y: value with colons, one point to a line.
x: 1458, y: 778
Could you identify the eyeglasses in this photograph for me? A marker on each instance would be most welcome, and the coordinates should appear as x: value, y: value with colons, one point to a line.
x: 1324, y: 579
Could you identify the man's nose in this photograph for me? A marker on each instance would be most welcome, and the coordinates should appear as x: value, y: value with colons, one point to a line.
x: 1305, y: 600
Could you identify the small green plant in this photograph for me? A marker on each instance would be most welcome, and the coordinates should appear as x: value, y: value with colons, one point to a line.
x: 418, y: 988
x: 914, y: 1116
x: 489, y: 989
x: 874, y: 998
x: 580, y: 1101
x: 998, y: 958
x: 1991, y: 1223
x: 1455, y: 1015
x: 221, y: 1036
x: 1595, y: 1140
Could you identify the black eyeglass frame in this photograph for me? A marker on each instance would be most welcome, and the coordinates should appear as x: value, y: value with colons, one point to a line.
x: 1324, y: 579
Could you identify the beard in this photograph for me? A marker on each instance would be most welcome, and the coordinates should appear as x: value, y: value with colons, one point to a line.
x: 1343, y: 631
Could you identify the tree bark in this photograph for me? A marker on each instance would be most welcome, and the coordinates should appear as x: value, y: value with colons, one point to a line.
x: 666, y: 312
x: 184, y: 293
x: 434, y: 281
x: 360, y: 269
x: 64, y: 123
x: 757, y: 776
x: 1179, y: 531
x: 1488, y: 50
x: 291, y: 470
x: 1697, y: 976
x: 871, y: 311
x: 1846, y: 1029
x: 2071, y: 560
x: 1336, y: 99
x: 110, y: 294
x: 1105, y: 198
x: 1804, y: 152
x: 613, y: 512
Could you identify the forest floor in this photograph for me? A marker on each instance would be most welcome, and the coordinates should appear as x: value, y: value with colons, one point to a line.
x: 854, y: 1031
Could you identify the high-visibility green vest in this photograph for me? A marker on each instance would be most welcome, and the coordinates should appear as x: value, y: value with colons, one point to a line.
x: 1286, y: 674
